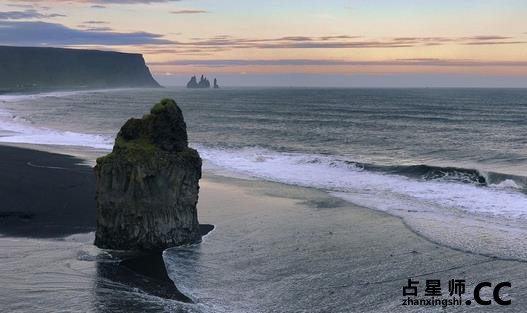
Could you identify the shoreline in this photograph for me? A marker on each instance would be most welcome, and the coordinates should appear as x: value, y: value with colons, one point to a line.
x: 378, y: 245
x: 84, y: 158
x: 377, y: 248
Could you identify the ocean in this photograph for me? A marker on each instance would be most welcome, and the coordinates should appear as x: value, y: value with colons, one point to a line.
x: 452, y: 163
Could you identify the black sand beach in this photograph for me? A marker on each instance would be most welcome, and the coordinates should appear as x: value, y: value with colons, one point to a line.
x: 363, y: 259
x: 45, y: 194
x: 49, y: 195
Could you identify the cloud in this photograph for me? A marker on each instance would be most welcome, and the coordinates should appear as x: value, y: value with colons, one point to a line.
x: 18, y: 5
x: 95, y: 25
x: 487, y: 38
x: 495, y: 42
x: 188, y: 11
x: 333, y: 45
x: 99, y: 29
x: 338, y: 37
x: 182, y: 51
x: 325, y: 62
x: 95, y: 22
x: 26, y: 14
x: 226, y: 42
x: 52, y: 34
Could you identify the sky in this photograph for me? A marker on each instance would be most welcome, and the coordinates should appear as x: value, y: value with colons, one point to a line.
x: 342, y: 43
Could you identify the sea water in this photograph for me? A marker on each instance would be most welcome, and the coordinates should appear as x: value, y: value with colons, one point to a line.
x: 451, y: 162
x: 469, y: 145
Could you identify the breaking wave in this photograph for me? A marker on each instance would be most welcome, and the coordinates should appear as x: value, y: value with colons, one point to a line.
x: 387, y: 188
x: 16, y: 129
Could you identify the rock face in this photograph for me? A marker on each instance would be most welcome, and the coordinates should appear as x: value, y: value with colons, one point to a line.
x: 147, y: 188
x: 37, y: 68
x: 203, y: 82
x: 192, y: 83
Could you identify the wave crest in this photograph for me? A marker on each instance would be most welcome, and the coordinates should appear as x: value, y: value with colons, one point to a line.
x: 388, y: 188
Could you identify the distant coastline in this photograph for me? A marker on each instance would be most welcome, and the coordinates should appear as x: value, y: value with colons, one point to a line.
x: 36, y: 69
x: 51, y: 91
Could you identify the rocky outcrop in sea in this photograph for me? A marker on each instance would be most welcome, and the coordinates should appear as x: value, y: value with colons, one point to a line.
x: 147, y: 188
x: 203, y: 82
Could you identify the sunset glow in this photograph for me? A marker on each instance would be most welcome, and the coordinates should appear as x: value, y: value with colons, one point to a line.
x: 482, y: 38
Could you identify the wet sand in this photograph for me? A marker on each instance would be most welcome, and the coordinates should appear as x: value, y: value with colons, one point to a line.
x: 370, y: 254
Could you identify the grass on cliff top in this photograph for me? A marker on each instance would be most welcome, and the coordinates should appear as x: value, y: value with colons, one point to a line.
x: 140, y: 148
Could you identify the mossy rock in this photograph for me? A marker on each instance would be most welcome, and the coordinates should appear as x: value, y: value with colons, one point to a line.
x: 147, y: 188
x: 163, y: 105
x: 163, y: 130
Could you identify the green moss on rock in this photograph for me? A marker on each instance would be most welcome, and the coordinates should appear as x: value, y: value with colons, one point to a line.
x: 163, y: 130
x: 164, y: 104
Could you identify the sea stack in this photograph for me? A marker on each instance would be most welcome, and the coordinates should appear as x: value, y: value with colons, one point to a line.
x: 147, y: 188
x: 203, y: 82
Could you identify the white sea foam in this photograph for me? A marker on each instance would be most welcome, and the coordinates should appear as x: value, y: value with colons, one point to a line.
x: 16, y: 129
x: 48, y: 137
x: 23, y: 97
x: 508, y: 184
x: 381, y: 191
x: 14, y: 97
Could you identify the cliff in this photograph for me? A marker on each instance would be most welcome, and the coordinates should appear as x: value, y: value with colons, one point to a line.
x: 147, y: 188
x: 34, y: 68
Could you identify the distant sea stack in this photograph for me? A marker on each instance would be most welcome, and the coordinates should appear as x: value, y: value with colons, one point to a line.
x: 35, y: 68
x: 147, y: 188
x: 203, y: 82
